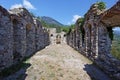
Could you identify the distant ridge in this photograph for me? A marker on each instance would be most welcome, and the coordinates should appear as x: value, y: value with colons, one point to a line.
x: 50, y: 20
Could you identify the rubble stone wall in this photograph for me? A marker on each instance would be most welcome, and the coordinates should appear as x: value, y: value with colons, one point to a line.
x: 21, y: 36
x: 96, y: 43
x: 6, y: 39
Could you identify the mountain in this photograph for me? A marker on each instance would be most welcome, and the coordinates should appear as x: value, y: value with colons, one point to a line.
x: 50, y: 20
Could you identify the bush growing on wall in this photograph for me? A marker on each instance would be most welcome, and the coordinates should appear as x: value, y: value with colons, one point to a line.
x: 101, y: 5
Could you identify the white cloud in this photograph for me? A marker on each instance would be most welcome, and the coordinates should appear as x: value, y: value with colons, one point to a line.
x: 25, y: 4
x: 16, y: 6
x: 75, y: 17
x: 28, y: 5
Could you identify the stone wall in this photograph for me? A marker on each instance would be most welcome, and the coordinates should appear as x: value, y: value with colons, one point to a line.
x: 6, y: 39
x: 53, y: 36
x: 96, y: 43
x: 21, y: 36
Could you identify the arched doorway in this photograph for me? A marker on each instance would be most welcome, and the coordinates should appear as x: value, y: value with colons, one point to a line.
x: 58, y: 39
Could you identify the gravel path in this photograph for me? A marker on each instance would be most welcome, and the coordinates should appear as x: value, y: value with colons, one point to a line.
x: 59, y: 62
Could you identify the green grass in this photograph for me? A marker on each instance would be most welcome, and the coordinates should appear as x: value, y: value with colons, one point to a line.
x: 115, y: 50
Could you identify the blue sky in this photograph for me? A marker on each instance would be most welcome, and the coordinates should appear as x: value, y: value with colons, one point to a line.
x: 65, y: 11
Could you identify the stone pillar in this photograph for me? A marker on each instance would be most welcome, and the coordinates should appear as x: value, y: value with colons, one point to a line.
x: 81, y: 43
x: 87, y: 41
x: 77, y: 36
x: 74, y: 39
x: 43, y: 38
x: 6, y: 39
x: 48, y: 38
x: 30, y: 29
x: 94, y: 41
x: 30, y: 35
x: 77, y: 40
x: 70, y: 39
x: 104, y: 42
x: 38, y: 34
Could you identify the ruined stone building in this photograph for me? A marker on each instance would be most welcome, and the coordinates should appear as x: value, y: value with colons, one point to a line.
x: 57, y: 38
x: 53, y: 34
x: 93, y: 39
x: 21, y: 36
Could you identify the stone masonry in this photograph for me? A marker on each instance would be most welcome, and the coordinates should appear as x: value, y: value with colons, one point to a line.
x: 30, y: 29
x: 96, y: 43
x: 6, y: 39
x: 21, y: 36
x: 53, y: 36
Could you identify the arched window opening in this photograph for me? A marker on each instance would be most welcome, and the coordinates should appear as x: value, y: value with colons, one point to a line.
x: 58, y: 39
x: 51, y: 35
x: 64, y: 35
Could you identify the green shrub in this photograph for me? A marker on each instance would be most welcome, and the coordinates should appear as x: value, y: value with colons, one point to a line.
x: 101, y: 5
x: 81, y: 23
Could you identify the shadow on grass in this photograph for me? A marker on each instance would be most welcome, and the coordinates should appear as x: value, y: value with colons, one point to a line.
x: 95, y: 73
x: 15, y: 72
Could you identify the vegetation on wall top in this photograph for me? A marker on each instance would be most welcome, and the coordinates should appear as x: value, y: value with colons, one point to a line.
x: 101, y: 5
